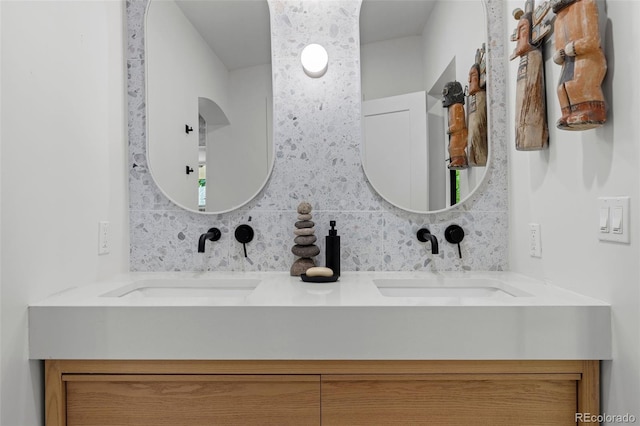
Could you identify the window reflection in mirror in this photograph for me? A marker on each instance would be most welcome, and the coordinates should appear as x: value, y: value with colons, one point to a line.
x: 208, y: 69
x: 409, y: 51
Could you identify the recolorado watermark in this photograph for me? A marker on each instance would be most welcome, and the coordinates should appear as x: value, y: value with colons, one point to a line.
x: 602, y: 418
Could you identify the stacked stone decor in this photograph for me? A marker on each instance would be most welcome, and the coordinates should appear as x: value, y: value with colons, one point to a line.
x: 305, y: 238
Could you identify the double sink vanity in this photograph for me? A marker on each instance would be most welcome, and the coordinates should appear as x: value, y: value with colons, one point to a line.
x: 386, y: 347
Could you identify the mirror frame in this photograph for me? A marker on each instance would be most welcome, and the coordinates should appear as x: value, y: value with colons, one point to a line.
x: 262, y: 186
x: 482, y: 181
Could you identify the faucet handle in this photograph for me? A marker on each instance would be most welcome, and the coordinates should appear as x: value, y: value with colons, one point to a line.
x: 454, y: 234
x: 244, y: 234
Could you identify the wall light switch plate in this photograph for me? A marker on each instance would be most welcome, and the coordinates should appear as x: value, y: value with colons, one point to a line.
x: 103, y: 237
x: 535, y: 241
x: 616, y: 228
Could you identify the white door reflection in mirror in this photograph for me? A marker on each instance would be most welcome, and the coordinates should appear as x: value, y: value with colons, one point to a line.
x: 209, y: 101
x: 395, y: 156
x: 409, y: 47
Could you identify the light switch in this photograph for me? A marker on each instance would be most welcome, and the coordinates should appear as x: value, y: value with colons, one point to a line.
x: 535, y: 241
x: 103, y: 237
x: 613, y: 215
x: 616, y: 220
x: 604, y: 219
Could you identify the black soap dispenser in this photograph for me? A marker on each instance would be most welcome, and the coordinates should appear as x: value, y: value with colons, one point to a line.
x: 332, y: 249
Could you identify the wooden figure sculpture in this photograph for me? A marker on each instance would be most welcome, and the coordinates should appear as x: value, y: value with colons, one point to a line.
x: 532, y: 131
x: 578, y: 50
x: 477, y: 109
x: 453, y: 99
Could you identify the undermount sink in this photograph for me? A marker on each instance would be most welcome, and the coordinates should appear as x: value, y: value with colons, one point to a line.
x: 463, y: 287
x: 224, y: 288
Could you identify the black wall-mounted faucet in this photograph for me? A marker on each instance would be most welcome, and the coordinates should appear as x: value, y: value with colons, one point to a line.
x: 213, y: 234
x: 425, y: 235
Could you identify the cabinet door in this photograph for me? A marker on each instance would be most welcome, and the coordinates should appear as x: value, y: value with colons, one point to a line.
x: 449, y: 399
x: 157, y: 400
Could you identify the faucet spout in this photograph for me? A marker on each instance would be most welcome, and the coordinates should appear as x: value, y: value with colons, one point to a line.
x: 434, y: 244
x: 201, y: 241
x: 213, y: 234
x: 425, y: 235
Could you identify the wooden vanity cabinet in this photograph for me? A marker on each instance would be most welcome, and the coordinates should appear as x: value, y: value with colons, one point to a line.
x: 319, y: 392
x: 157, y: 400
x: 449, y: 400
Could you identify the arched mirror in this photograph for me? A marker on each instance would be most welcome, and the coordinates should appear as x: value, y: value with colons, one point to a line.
x: 209, y: 101
x: 412, y: 141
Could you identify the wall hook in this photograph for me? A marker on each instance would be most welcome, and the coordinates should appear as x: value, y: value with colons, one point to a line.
x: 189, y: 169
x: 188, y: 129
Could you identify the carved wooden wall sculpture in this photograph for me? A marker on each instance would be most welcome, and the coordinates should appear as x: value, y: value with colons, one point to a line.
x: 477, y: 109
x: 453, y: 99
x: 578, y: 50
x: 532, y: 132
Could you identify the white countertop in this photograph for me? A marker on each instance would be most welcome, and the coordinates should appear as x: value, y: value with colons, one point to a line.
x: 285, y: 318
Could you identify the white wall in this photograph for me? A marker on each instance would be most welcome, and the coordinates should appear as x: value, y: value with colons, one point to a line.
x: 391, y: 67
x: 1, y: 376
x: 64, y: 168
x: 455, y: 29
x: 558, y: 188
x: 410, y: 64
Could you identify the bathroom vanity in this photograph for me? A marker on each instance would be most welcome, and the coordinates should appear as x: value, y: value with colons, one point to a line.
x: 373, y: 348
x: 311, y: 392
